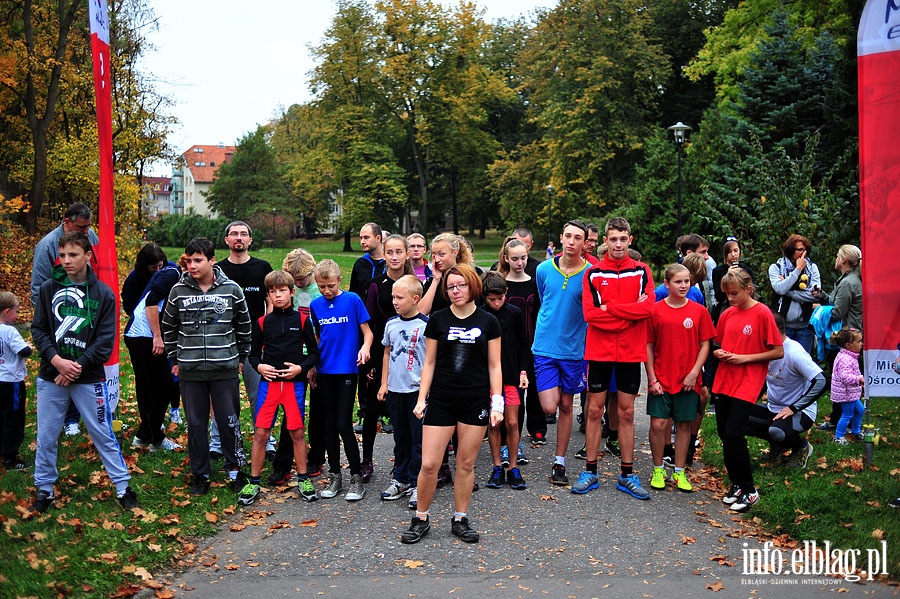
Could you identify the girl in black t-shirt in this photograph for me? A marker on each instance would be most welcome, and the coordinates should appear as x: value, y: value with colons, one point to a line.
x: 462, y: 390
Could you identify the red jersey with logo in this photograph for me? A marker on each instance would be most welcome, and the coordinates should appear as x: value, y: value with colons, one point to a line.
x: 676, y: 335
x: 750, y: 331
x: 618, y: 333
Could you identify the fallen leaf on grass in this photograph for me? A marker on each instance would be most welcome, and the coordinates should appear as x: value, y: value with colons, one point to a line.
x: 873, y: 503
x: 878, y: 534
x: 718, y: 586
x: 110, y: 525
x: 143, y: 573
x: 109, y: 558
x: 154, y: 547
x: 211, y: 517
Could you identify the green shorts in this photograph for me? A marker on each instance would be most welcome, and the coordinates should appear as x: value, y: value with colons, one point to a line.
x: 680, y: 407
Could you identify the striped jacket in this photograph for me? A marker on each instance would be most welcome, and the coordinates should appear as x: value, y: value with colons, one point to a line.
x: 207, y: 333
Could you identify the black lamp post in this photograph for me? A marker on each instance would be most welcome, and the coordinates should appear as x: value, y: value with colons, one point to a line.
x: 550, y: 190
x: 680, y: 131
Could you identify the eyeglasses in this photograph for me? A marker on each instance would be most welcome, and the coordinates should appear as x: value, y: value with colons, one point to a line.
x: 458, y: 286
x: 238, y: 234
x: 800, y: 249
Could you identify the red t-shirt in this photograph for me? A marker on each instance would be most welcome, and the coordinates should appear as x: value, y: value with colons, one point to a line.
x: 750, y: 331
x: 676, y: 334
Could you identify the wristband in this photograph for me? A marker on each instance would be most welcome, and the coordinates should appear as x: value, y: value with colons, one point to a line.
x: 497, y: 402
x: 651, y: 384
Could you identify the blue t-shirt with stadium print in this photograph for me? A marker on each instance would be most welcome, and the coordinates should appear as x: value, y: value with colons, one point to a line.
x: 336, y: 323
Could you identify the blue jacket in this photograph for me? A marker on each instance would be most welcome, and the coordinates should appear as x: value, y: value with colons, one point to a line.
x: 823, y: 326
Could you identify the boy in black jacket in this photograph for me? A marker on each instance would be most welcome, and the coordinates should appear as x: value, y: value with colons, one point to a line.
x: 277, y: 354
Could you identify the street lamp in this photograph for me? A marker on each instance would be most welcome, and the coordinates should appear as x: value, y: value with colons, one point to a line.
x: 680, y: 131
x: 550, y: 190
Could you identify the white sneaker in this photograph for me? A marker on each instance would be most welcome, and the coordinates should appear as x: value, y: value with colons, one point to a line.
x: 136, y: 442
x: 175, y: 416
x: 166, y: 445
x: 395, y: 491
x: 356, y: 491
x: 73, y: 429
x: 413, y: 499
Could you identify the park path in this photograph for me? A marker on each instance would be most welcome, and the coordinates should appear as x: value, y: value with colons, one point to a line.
x: 542, y: 541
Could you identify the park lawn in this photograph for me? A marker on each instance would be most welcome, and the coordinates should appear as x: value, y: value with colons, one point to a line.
x: 836, y: 498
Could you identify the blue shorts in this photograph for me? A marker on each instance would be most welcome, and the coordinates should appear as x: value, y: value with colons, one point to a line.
x: 566, y: 374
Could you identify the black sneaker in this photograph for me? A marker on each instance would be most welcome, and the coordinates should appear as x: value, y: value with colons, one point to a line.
x: 539, y: 438
x: 581, y: 454
x: 496, y: 479
x: 558, y: 475
x: 16, y: 464
x: 612, y: 446
x: 42, y: 501
x: 313, y: 470
x: 128, y: 500
x: 200, y: 486
x: 733, y: 495
x: 551, y: 418
x: 461, y: 529
x: 746, y: 501
x: 418, y: 529
x: 826, y: 426
x: 515, y: 480
x: 237, y: 484
x: 279, y: 478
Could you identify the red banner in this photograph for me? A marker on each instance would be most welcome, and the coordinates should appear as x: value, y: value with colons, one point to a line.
x: 108, y: 269
x: 878, y: 47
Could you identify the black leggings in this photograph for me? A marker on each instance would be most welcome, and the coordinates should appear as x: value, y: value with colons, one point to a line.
x: 336, y: 393
x: 732, y: 418
x: 372, y: 409
x: 787, y: 432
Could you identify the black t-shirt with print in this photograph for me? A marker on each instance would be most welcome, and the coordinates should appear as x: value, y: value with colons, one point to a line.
x: 461, y: 367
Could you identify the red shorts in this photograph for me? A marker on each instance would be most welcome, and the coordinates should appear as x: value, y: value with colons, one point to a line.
x: 511, y: 395
x: 290, y: 395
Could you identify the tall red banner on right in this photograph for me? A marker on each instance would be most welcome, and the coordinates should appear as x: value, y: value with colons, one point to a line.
x: 878, y: 47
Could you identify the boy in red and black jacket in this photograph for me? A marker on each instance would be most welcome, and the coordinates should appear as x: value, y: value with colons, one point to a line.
x: 277, y: 354
x: 616, y: 307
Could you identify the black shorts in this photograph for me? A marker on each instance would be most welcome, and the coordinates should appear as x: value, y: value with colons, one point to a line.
x: 446, y: 411
x: 628, y: 376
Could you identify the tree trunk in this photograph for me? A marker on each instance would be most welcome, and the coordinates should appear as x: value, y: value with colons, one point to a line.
x: 348, y: 246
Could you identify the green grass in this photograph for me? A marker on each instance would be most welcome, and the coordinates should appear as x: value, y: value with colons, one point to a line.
x: 835, y: 498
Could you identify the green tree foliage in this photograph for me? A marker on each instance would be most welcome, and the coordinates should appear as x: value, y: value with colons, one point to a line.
x: 178, y: 229
x: 252, y: 182
x: 594, y: 78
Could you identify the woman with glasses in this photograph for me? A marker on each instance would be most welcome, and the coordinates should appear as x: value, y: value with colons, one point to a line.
x: 461, y: 390
x: 793, y: 278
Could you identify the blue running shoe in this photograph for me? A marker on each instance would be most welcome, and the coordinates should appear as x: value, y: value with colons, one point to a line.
x: 631, y: 484
x: 587, y: 481
x: 504, y: 456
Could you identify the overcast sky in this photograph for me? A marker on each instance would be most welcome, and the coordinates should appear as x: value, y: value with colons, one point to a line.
x: 229, y: 65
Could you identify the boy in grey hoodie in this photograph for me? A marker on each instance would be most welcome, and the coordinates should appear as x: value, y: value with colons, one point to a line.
x: 74, y: 330
x: 206, y: 329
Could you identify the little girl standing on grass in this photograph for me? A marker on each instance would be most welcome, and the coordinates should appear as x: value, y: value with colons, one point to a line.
x: 748, y: 340
x: 846, y: 384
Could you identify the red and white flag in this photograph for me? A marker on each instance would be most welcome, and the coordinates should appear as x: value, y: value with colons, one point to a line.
x: 878, y: 48
x: 108, y: 264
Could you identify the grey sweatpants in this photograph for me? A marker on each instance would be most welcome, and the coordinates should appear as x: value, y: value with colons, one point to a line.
x: 92, y: 403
